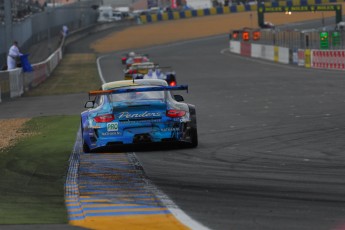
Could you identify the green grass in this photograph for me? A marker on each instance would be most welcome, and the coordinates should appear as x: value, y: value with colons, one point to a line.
x: 33, y: 171
x: 76, y: 73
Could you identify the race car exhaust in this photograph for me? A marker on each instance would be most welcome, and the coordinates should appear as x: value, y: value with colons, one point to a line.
x: 142, y: 138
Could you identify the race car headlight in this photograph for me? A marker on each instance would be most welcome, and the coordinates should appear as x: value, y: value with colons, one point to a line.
x: 104, y: 118
x: 175, y: 113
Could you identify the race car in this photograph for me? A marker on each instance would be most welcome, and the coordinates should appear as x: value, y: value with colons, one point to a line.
x: 149, y: 70
x: 138, y: 69
x: 141, y: 111
x: 130, y: 58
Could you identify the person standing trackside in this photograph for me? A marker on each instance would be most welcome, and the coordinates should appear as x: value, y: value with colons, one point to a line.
x: 13, y: 55
x: 64, y: 30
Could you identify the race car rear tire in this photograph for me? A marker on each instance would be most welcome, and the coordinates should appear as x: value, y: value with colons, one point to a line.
x: 194, y: 138
x: 86, y: 148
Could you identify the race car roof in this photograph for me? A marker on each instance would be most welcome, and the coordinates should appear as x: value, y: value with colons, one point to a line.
x: 125, y: 83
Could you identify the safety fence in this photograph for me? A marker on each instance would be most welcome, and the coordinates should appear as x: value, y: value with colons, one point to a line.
x: 174, y: 15
x: 309, y: 58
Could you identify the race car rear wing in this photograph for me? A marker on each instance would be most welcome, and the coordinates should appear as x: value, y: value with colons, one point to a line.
x: 144, y: 89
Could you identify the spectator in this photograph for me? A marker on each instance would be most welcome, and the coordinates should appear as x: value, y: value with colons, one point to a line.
x: 64, y: 30
x: 130, y: 59
x: 13, y: 55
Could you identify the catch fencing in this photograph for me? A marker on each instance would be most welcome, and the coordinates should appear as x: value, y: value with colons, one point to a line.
x: 302, y: 39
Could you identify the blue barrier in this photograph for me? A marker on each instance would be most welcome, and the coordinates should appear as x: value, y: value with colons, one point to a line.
x: 233, y: 8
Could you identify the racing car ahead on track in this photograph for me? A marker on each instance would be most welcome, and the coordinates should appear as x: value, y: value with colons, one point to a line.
x: 131, y: 57
x: 137, y: 112
x: 149, y: 70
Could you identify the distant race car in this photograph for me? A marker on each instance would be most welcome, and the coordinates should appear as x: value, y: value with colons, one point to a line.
x: 130, y: 58
x: 137, y: 112
x: 268, y: 25
x: 149, y: 70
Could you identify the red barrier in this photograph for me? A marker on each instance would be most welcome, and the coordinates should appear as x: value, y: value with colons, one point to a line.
x: 246, y: 49
x: 301, y: 57
x: 328, y: 59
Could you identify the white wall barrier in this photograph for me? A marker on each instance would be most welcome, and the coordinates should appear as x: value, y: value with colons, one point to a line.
x: 16, y: 83
x: 267, y: 52
x: 235, y: 47
x: 257, y: 50
x: 54, y: 59
x: 283, y: 55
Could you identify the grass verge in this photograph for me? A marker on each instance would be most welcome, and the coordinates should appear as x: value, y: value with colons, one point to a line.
x: 32, y: 172
x: 76, y: 73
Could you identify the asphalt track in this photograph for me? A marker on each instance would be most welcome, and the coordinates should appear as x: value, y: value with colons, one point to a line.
x: 271, y: 139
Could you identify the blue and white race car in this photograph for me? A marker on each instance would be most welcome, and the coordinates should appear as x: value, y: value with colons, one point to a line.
x: 136, y: 112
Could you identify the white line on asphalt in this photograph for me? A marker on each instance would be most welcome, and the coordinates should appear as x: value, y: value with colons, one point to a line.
x: 99, y: 68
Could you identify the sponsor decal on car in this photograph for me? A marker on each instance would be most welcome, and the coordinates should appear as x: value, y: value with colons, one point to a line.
x: 112, y: 126
x: 141, y: 121
x: 170, y: 129
x: 145, y: 114
x: 110, y: 133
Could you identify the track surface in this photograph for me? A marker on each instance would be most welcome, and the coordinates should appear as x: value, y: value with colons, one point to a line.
x: 271, y: 153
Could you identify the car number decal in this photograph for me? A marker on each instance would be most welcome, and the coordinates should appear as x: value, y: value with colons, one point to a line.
x: 112, y: 126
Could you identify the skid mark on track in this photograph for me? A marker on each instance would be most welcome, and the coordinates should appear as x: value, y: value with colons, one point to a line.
x: 111, y: 191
